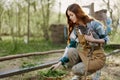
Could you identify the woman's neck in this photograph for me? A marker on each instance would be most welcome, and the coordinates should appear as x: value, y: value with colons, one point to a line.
x: 80, y: 23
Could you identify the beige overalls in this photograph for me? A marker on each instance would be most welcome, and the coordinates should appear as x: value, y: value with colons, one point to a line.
x: 91, y: 60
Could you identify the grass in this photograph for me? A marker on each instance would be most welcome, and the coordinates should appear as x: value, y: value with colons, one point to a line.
x: 18, y: 46
x: 52, y: 73
x: 8, y: 47
x: 108, y: 49
x: 27, y: 64
x: 115, y: 37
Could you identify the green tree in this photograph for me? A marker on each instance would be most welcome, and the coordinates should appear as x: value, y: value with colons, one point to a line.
x: 1, y: 14
x: 45, y: 7
x: 114, y: 10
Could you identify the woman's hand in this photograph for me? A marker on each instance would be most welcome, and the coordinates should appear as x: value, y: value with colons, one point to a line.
x: 55, y: 66
x: 90, y: 38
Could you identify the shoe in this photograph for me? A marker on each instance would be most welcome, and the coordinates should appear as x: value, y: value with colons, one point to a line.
x: 76, y: 77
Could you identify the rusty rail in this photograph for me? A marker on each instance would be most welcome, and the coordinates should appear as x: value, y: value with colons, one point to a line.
x: 113, y: 52
x: 116, y: 46
x: 24, y: 70
x: 30, y: 54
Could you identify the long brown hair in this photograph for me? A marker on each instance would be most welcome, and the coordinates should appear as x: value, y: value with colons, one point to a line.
x: 82, y: 18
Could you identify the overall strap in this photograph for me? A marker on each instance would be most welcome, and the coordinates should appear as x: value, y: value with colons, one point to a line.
x: 86, y: 59
x: 81, y: 37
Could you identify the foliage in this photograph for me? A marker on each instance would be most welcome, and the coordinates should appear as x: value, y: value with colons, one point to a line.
x: 40, y: 16
x: 52, y: 73
x: 35, y: 45
x: 26, y: 65
x: 115, y: 38
x: 108, y: 49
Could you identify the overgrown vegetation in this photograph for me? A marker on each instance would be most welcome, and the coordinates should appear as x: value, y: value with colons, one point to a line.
x: 8, y: 47
x: 27, y: 65
x: 35, y: 45
x: 52, y: 73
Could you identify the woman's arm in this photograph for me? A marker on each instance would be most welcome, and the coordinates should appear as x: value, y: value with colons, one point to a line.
x: 99, y: 30
x: 64, y: 58
x: 55, y: 66
x: 62, y: 61
x: 90, y: 38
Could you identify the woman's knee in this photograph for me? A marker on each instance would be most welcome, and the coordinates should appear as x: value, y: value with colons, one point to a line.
x: 78, y: 69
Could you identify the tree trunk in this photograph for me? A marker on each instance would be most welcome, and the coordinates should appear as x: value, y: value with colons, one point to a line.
x: 28, y: 28
x: 46, y: 15
x: 59, y: 15
x: 19, y: 20
x: 1, y: 13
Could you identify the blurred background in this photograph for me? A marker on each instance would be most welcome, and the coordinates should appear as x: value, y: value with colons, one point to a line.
x: 38, y: 23
x: 28, y: 26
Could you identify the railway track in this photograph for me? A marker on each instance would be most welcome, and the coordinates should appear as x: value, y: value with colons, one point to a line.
x: 41, y: 66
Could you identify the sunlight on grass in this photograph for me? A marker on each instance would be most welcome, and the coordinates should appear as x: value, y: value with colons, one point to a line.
x: 9, y: 47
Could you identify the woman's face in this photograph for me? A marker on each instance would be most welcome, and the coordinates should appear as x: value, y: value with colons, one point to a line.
x: 72, y: 16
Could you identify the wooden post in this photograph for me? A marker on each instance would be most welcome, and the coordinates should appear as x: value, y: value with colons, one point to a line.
x: 91, y: 9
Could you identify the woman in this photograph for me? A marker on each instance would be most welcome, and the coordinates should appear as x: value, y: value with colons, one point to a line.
x: 90, y: 34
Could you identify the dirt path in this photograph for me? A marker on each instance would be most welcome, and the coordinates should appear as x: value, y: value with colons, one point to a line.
x: 112, y: 69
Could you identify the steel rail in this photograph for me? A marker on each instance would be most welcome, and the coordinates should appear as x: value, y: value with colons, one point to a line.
x: 113, y: 52
x: 43, y: 53
x: 30, y: 54
x: 24, y: 70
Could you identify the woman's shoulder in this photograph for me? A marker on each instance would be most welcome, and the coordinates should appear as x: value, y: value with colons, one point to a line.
x: 95, y: 25
x: 96, y: 22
